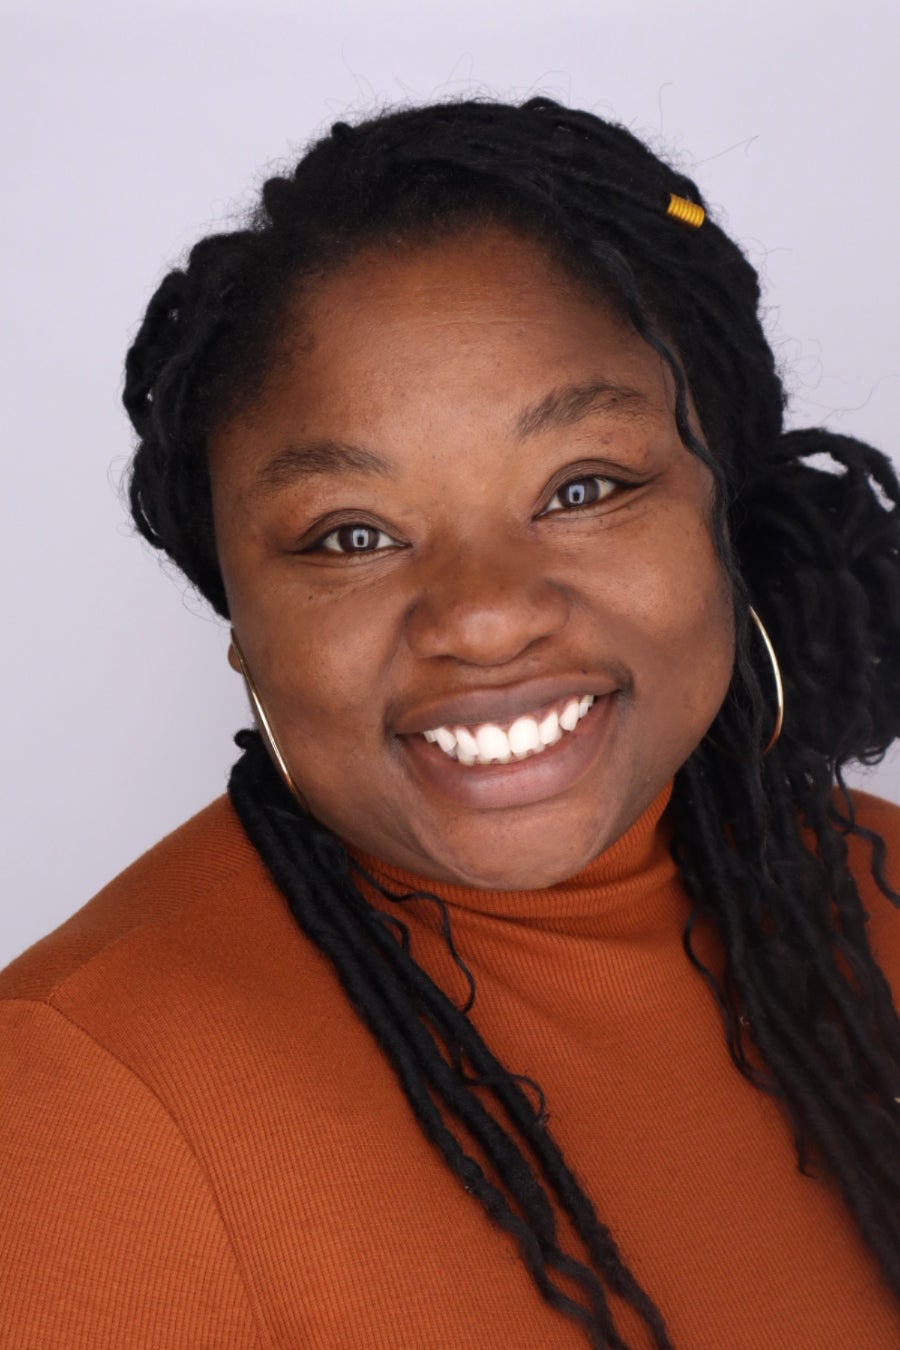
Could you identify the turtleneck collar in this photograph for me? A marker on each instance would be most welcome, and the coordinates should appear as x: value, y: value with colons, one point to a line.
x: 618, y: 890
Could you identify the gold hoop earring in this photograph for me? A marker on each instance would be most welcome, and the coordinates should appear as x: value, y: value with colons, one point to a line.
x: 776, y: 672
x: 264, y: 725
x: 779, y: 687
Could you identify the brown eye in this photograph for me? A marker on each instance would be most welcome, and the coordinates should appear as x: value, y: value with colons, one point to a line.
x: 581, y: 492
x: 356, y: 538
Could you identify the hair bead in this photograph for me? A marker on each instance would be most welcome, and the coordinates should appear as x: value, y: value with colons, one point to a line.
x: 689, y: 213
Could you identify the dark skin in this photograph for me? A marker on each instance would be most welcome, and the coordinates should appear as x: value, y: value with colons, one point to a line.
x: 486, y: 566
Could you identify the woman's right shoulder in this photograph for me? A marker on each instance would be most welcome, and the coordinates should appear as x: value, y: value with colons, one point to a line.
x: 184, y: 971
x: 206, y: 862
x: 103, y: 1054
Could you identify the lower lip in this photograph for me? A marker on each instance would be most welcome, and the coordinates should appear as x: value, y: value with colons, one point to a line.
x: 523, y: 781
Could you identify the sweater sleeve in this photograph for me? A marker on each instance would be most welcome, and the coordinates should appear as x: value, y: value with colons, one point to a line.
x: 109, y: 1231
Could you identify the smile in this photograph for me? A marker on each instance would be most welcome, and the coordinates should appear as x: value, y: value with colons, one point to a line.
x: 525, y: 737
x: 483, y: 760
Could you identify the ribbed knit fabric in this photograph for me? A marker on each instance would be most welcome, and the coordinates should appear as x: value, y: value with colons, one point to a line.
x: 201, y: 1146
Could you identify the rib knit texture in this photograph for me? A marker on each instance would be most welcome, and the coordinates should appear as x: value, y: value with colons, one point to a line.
x: 201, y: 1145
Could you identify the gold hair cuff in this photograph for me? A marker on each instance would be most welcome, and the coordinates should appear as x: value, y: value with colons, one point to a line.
x: 689, y: 213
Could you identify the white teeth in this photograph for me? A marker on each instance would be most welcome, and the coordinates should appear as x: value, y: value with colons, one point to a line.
x: 493, y: 745
x: 466, y: 745
x: 568, y: 718
x: 549, y: 729
x: 446, y: 740
x: 524, y: 736
x: 490, y: 744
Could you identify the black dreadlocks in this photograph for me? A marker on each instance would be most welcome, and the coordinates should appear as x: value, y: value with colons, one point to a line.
x: 814, y: 550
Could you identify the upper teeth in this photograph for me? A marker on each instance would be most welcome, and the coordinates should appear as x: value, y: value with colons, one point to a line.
x: 492, y: 744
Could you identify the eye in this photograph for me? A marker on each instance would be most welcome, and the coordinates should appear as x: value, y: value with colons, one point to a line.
x: 355, y: 538
x: 584, y: 491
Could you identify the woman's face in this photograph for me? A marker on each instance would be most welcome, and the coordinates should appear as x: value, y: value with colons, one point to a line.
x: 461, y: 503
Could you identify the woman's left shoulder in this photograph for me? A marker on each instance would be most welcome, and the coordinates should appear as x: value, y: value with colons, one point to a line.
x: 873, y: 816
x: 871, y: 808
x: 879, y: 820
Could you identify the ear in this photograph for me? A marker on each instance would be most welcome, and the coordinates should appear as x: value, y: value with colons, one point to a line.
x: 233, y: 659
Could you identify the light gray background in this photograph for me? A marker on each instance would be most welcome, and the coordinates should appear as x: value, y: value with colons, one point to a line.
x: 131, y: 130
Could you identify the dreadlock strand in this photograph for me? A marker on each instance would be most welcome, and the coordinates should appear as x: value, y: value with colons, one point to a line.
x: 508, y: 1092
x: 404, y: 1042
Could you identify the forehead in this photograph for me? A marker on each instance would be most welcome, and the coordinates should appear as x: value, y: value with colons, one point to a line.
x: 464, y: 260
x: 487, y: 289
x: 451, y: 340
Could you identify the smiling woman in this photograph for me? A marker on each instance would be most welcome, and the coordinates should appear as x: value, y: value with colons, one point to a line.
x: 557, y: 647
x: 433, y: 581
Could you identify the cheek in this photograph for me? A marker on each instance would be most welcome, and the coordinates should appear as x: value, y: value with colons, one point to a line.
x: 699, y: 667
x: 322, y: 661
x: 674, y: 612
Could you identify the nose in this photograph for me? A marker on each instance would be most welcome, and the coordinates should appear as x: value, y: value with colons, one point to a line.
x: 484, y: 606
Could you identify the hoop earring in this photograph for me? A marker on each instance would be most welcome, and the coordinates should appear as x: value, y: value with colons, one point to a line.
x: 779, y: 687
x: 264, y: 725
x: 776, y: 672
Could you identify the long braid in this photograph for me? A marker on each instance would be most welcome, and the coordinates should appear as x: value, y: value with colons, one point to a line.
x: 761, y: 844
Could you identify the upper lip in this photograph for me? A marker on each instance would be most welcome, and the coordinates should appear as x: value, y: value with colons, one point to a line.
x: 473, y: 707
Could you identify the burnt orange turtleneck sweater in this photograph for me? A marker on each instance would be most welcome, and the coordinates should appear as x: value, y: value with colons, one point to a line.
x: 201, y: 1145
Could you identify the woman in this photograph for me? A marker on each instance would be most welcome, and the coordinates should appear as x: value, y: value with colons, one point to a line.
x: 538, y: 940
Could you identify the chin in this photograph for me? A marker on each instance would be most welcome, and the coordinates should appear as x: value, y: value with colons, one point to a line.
x: 512, y: 862
x: 535, y: 847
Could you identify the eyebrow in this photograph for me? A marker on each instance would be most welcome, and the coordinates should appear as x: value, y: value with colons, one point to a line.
x: 572, y: 402
x: 561, y: 407
x: 310, y: 459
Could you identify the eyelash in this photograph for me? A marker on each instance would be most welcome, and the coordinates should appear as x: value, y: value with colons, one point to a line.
x: 322, y: 545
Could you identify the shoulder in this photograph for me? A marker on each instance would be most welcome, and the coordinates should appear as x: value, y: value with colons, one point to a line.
x: 875, y: 812
x: 876, y: 836
x: 875, y: 849
x: 205, y: 863
x: 186, y: 970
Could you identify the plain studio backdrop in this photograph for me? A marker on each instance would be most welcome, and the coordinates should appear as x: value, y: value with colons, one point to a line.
x: 130, y: 130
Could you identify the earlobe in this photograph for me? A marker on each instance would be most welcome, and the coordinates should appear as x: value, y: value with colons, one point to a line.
x: 233, y: 659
